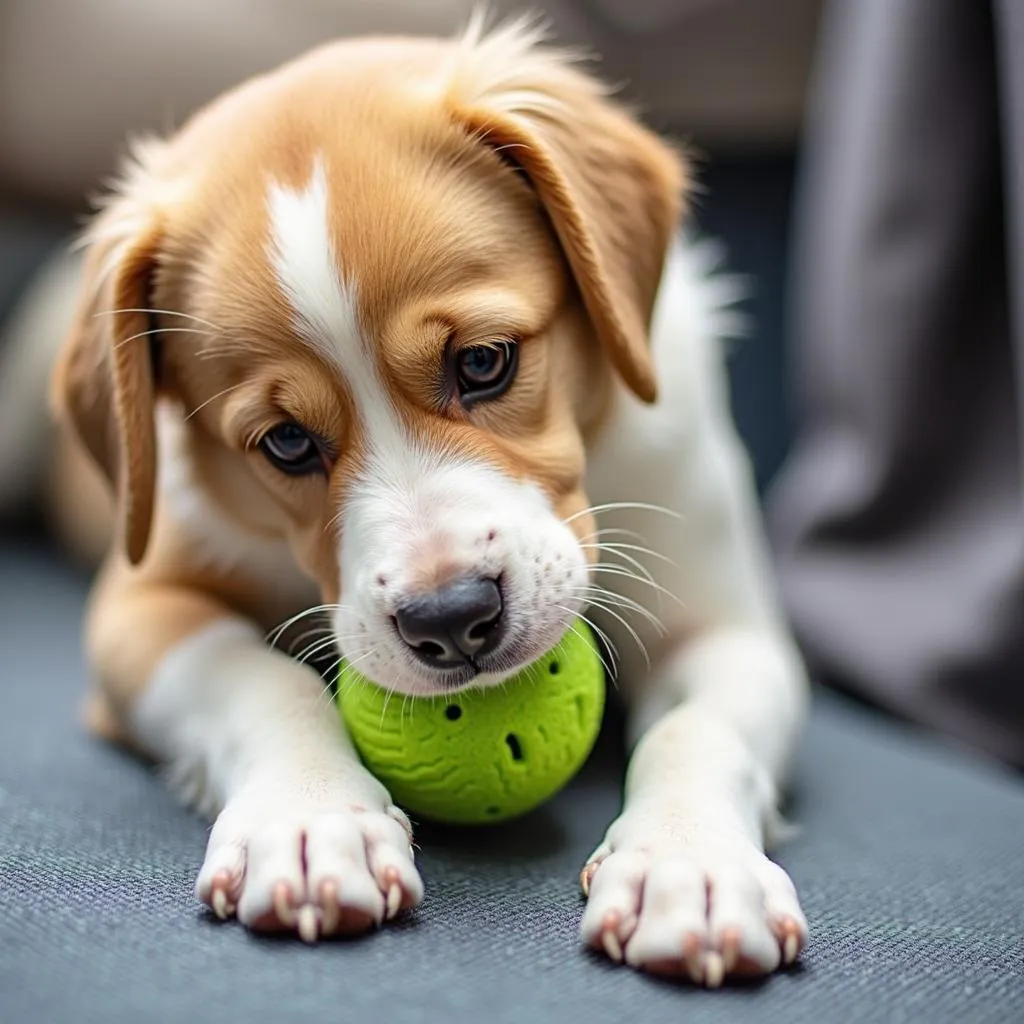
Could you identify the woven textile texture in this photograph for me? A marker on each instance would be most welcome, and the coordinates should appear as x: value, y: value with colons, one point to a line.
x: 909, y: 861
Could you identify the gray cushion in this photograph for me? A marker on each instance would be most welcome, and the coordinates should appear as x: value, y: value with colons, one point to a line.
x: 909, y: 863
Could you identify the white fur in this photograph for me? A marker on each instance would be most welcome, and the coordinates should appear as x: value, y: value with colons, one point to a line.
x: 718, y: 719
x: 302, y: 254
x: 249, y: 735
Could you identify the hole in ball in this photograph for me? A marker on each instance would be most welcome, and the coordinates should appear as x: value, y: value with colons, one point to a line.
x: 514, y: 746
x: 554, y: 668
x: 493, y: 810
x: 453, y: 712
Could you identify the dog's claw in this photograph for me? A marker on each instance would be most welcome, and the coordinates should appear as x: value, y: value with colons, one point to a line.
x: 790, y: 948
x: 282, y: 905
x: 293, y: 870
x: 308, y: 924
x: 219, y: 903
x: 330, y: 913
x: 612, y: 946
x: 394, y: 900
x: 586, y: 877
x: 731, y: 945
x: 610, y: 938
x: 714, y: 970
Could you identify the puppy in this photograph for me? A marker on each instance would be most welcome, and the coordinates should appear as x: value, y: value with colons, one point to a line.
x: 399, y: 341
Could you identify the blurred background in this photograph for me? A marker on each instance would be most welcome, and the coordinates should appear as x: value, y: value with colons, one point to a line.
x: 730, y: 76
x: 875, y: 147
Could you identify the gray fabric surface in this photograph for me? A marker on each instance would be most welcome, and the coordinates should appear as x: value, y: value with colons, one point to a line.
x: 909, y: 863
x: 898, y: 520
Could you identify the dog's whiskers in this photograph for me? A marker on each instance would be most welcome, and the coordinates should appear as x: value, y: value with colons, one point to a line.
x: 160, y: 330
x: 223, y: 350
x: 345, y: 662
x: 331, y: 640
x: 350, y: 662
x: 615, y: 606
x: 213, y: 398
x: 612, y: 506
x: 612, y: 569
x: 619, y: 531
x: 633, y: 563
x: 334, y: 519
x: 619, y: 547
x: 592, y: 593
x: 158, y: 312
x: 315, y: 648
x: 315, y: 631
x: 613, y: 669
x: 641, y: 646
x: 276, y: 633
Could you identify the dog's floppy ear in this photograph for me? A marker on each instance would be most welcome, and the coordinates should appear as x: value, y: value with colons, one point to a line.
x: 612, y: 189
x: 103, y: 383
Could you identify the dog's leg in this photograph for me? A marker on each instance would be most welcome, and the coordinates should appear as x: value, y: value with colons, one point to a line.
x: 681, y: 882
x: 304, y: 839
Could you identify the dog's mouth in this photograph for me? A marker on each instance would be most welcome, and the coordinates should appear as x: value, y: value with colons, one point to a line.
x: 474, y: 631
x: 518, y: 648
x: 512, y: 655
x: 492, y: 669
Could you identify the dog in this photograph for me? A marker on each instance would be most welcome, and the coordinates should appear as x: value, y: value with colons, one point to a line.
x: 406, y: 342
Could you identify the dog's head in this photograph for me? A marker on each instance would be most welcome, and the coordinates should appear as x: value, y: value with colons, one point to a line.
x: 390, y: 286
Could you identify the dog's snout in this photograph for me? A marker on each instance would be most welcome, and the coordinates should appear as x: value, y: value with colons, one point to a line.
x: 454, y: 624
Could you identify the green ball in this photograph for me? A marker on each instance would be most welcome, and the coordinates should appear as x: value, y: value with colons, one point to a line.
x: 484, y: 755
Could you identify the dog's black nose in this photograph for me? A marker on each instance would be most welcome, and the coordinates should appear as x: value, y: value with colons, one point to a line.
x: 448, y: 627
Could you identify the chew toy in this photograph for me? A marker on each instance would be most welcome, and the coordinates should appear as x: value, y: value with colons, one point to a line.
x: 482, y: 755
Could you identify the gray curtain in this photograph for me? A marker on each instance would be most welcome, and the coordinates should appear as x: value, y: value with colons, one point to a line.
x: 899, y: 519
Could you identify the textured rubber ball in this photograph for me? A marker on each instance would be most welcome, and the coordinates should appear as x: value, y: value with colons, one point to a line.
x: 482, y: 755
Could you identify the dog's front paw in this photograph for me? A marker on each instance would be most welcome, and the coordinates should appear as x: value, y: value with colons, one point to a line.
x: 315, y: 870
x: 706, y: 907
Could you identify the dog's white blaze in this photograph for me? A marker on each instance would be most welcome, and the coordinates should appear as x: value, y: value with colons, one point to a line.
x: 307, y: 271
x: 327, y: 318
x: 326, y: 313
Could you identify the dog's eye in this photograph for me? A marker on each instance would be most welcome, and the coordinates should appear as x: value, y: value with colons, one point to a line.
x: 486, y: 371
x: 292, y: 450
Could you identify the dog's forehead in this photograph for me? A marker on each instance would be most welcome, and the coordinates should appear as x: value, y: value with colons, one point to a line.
x: 302, y: 252
x: 346, y: 237
x: 321, y: 296
x: 321, y: 192
x: 364, y: 234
